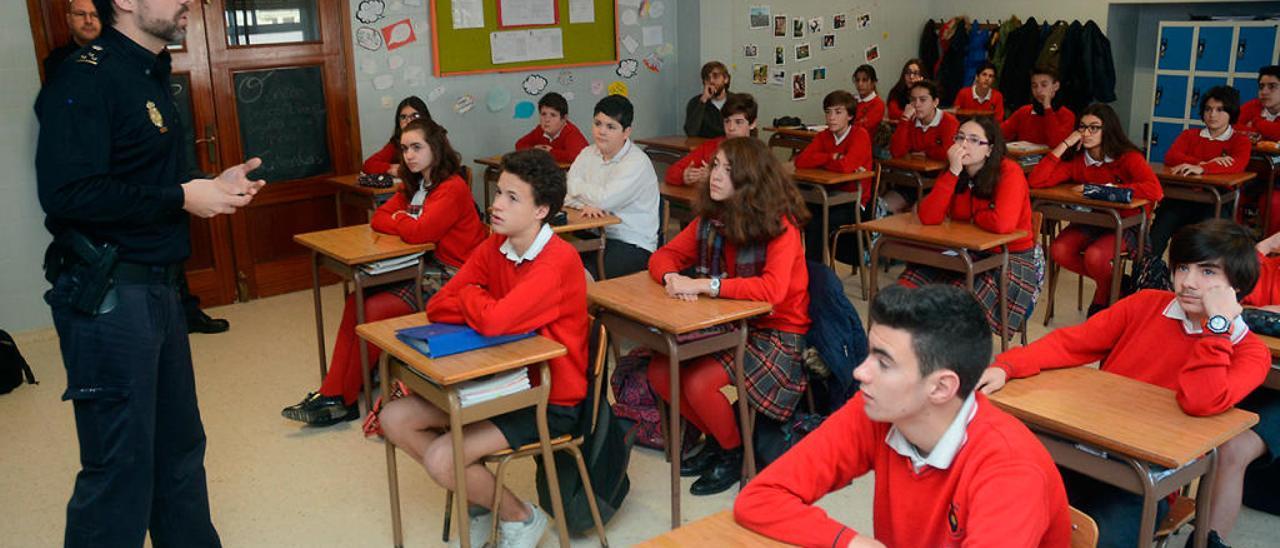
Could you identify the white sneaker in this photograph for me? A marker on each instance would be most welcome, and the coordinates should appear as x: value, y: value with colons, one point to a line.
x: 480, y: 525
x: 517, y: 534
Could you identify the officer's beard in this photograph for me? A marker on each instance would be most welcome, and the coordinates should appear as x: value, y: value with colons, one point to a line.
x: 170, y: 30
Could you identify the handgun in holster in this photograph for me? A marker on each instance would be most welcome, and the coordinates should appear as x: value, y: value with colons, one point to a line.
x: 89, y: 267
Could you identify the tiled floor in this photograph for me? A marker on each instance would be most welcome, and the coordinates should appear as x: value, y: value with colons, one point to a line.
x: 273, y: 483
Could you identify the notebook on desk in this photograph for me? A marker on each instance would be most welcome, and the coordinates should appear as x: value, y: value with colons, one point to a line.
x: 438, y: 340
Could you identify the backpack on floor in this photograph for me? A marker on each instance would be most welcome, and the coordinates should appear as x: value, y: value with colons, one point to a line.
x: 636, y: 404
x: 13, y: 368
x: 837, y: 335
x: 772, y: 438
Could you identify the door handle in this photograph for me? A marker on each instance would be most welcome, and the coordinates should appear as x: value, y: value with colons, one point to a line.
x: 210, y: 142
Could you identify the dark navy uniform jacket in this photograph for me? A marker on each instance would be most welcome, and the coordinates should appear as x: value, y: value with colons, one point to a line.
x: 110, y: 157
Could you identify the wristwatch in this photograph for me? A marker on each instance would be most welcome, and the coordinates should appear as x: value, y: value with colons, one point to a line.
x: 715, y: 287
x: 1218, y: 324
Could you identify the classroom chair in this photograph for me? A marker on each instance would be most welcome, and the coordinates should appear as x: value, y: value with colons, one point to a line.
x: 791, y: 143
x: 1053, y: 272
x: 1181, y: 512
x: 1084, y: 531
x: 566, y: 442
x: 862, y: 238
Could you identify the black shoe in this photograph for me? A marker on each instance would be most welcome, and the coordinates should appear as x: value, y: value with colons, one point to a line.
x: 319, y: 410
x: 199, y: 322
x: 701, y: 462
x: 722, y: 475
x: 1215, y: 541
x: 1094, y: 309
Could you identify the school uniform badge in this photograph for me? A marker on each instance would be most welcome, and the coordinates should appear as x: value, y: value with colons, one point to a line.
x: 953, y: 521
x: 156, y: 118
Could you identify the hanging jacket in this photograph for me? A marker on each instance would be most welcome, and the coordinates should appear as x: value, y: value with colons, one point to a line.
x: 1074, y: 91
x: 1022, y: 48
x: 1050, y: 51
x: 1001, y: 48
x: 1100, y: 66
x: 951, y: 69
x: 929, y: 52
x: 979, y: 40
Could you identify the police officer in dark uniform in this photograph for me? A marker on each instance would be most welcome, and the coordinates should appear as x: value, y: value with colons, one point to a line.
x: 110, y: 166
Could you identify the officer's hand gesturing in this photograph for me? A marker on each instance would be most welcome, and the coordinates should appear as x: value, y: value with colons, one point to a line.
x: 230, y: 190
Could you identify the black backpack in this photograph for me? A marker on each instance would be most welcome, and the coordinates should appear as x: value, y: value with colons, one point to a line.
x: 13, y: 368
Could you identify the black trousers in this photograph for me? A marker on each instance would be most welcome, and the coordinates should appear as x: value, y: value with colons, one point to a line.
x: 620, y: 259
x: 1175, y: 214
x: 142, y: 443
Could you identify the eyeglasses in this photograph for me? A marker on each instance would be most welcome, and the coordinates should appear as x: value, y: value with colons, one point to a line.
x: 409, y: 117
x: 969, y: 139
x: 914, y: 73
x: 1093, y: 128
x: 85, y: 14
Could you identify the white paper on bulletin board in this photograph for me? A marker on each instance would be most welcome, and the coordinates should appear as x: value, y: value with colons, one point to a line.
x: 468, y: 14
x: 526, y: 45
x: 527, y: 13
x: 582, y: 11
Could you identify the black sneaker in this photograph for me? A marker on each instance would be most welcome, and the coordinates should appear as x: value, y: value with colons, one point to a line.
x: 726, y: 471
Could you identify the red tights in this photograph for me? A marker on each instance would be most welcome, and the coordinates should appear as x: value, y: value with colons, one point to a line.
x: 701, y: 401
x: 344, y: 368
x: 1078, y: 250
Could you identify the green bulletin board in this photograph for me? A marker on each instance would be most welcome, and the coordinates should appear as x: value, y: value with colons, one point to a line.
x: 466, y: 51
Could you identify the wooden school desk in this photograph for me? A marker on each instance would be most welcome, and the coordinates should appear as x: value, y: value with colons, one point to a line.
x: 576, y: 222
x: 904, y: 237
x: 1027, y: 154
x: 918, y: 171
x: 669, y: 149
x: 437, y: 381
x: 1212, y: 189
x: 492, y: 169
x: 1155, y: 448
x: 790, y: 138
x: 349, y: 192
x: 680, y: 194
x: 813, y: 184
x: 1260, y: 162
x: 1059, y: 203
x: 342, y: 251
x: 965, y: 114
x: 635, y: 307
x: 1273, y: 376
x: 718, y: 529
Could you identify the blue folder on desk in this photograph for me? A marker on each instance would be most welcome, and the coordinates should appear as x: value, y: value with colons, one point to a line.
x: 438, y: 340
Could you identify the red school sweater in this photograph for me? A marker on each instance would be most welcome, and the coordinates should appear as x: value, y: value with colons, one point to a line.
x: 1251, y: 120
x: 994, y: 103
x: 548, y: 294
x: 1267, y: 292
x: 1048, y: 129
x: 855, y: 151
x: 1135, y: 339
x: 564, y: 148
x: 699, y: 157
x: 1192, y: 148
x: 381, y: 161
x: 784, y: 283
x: 868, y: 114
x: 1130, y: 170
x: 1002, y: 489
x: 933, y: 142
x: 1009, y: 210
x: 448, y: 219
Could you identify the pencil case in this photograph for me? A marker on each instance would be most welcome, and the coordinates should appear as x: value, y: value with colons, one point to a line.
x: 1108, y: 193
x: 377, y: 180
x: 1262, y: 322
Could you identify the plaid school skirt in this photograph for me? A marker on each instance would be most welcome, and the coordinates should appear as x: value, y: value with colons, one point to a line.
x: 434, y: 275
x: 774, y: 367
x: 1026, y: 274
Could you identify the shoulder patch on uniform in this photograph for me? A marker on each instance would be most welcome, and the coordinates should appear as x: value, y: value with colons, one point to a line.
x: 92, y: 55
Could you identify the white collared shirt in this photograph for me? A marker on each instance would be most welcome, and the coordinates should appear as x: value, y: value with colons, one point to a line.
x: 840, y: 138
x: 624, y: 185
x: 1268, y: 115
x: 937, y: 119
x: 1174, y: 311
x: 869, y: 97
x: 539, y: 242
x: 948, y: 446
x: 974, y: 91
x: 551, y: 137
x: 1090, y: 162
x: 1226, y: 135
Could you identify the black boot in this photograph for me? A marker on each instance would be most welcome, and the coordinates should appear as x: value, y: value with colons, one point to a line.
x: 1215, y: 541
x: 699, y: 463
x: 725, y: 472
x: 1094, y: 309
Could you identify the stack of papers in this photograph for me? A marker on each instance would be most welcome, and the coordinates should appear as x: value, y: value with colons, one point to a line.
x: 497, y: 386
x: 390, y: 265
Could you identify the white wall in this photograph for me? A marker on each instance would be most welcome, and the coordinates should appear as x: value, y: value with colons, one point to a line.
x: 22, y: 234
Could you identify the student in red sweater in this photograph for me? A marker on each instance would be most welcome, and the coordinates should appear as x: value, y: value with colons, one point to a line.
x: 951, y: 469
x: 1267, y: 293
x: 1040, y: 122
x: 1215, y: 149
x: 870, y: 111
x: 522, y: 278
x: 434, y: 205
x: 385, y: 160
x: 554, y: 132
x: 982, y: 95
x: 924, y: 129
x: 1097, y: 152
x: 900, y: 95
x: 1191, y: 341
x: 842, y: 148
x: 1260, y: 118
x: 983, y: 187
x: 739, y: 112
x: 744, y: 244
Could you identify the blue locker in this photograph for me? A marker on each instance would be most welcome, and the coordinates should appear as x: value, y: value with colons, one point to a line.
x: 1199, y: 87
x: 1213, y: 49
x: 1255, y: 48
x: 1171, y: 96
x: 1175, y: 48
x: 1248, y: 88
x: 1162, y: 136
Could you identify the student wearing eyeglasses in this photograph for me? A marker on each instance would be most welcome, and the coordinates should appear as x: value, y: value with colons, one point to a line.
x: 387, y: 159
x: 1097, y: 152
x: 987, y: 189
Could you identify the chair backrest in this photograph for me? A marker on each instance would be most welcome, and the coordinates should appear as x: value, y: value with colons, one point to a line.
x: 596, y: 366
x: 1084, y: 531
x: 789, y: 142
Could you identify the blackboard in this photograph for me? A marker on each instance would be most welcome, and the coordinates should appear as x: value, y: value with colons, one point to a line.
x: 283, y: 120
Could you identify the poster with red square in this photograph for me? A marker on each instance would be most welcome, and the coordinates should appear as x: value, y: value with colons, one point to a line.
x: 398, y: 34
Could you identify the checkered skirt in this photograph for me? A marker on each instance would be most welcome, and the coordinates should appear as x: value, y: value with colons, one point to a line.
x: 1026, y: 274
x: 434, y: 275
x: 774, y: 366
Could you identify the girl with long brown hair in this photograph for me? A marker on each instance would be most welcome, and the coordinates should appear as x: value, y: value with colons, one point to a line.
x: 746, y: 243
